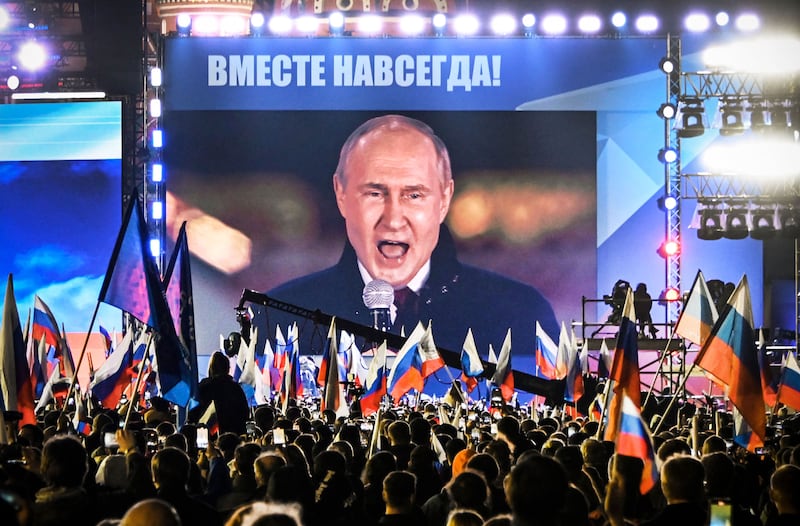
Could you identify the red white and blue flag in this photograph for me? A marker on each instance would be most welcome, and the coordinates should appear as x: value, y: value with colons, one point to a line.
x: 471, y: 366
x: 699, y: 313
x: 769, y: 381
x: 279, y: 360
x: 116, y: 374
x: 731, y: 357
x: 374, y: 382
x: 106, y: 338
x: 333, y: 395
x: 406, y: 373
x: 625, y: 368
x: 634, y: 440
x: 432, y: 361
x: 573, y: 386
x: 789, y: 388
x: 546, y: 355
x: 503, y: 375
x: 45, y: 326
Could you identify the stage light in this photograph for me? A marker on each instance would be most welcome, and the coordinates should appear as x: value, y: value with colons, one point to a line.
x: 619, y: 19
x: 722, y: 19
x: 668, y: 202
x: 731, y: 122
x: 157, y: 210
x: 231, y: 25
x: 669, y: 294
x: 763, y: 223
x: 12, y: 82
x: 280, y: 25
x: 155, y: 108
x: 554, y: 24
x: 646, y: 23
x: 736, y: 223
x: 155, y: 247
x: 439, y: 22
x: 412, y: 25
x: 697, y: 22
x: 466, y: 25
x: 336, y: 23
x: 157, y: 172
x: 503, y: 24
x: 156, y: 77
x: 528, y: 23
x: 307, y: 24
x: 590, y: 24
x: 667, y: 155
x: 668, y: 65
x: 32, y: 56
x: 667, y: 111
x: 157, y: 138
x: 184, y: 23
x: 4, y: 18
x: 257, y: 21
x: 669, y: 248
x: 710, y: 228
x: 747, y: 22
x: 692, y: 119
x: 370, y: 24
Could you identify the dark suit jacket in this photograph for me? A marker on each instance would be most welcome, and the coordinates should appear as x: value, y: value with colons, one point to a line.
x: 456, y: 297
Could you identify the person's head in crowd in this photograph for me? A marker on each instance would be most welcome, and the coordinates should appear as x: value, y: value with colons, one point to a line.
x: 720, y: 475
x: 469, y: 490
x: 345, y: 449
x: 306, y: 442
x: 264, y: 417
x: 549, y: 424
x: 177, y: 440
x: 486, y: 465
x: 420, y: 431
x: 714, y: 444
x: 165, y: 429
x: 266, y: 514
x: 572, y: 460
x: 784, y: 490
x: 544, y: 504
x: 399, y: 433
x: 459, y: 517
x: 351, y: 434
x: 591, y: 427
x: 501, y: 453
x: 452, y: 447
x: 672, y: 447
x: 328, y: 462
x: 265, y: 465
x: 170, y: 467
x: 218, y: 365
x: 422, y: 459
x: 30, y: 435
x: 538, y: 437
x: 244, y: 458
x: 64, y: 462
x: 503, y: 519
x: 112, y: 472
x: 227, y: 444
x: 552, y: 445
x: 140, y: 480
x: 295, y: 457
x: 446, y: 429
x: 288, y: 483
x: 303, y: 425
x: 377, y: 467
x: 151, y: 512
x: 595, y: 454
x: 329, y: 416
x: 508, y: 429
x: 399, y: 488
x: 388, y: 155
x: 795, y: 456
x: 682, y: 479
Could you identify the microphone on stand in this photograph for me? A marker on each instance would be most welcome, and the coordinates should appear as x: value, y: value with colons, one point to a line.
x: 378, y: 297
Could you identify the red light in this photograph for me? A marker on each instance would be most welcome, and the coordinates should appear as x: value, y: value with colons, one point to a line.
x: 669, y: 248
x: 672, y: 294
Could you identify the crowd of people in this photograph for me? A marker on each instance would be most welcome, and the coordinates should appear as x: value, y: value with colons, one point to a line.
x: 416, y: 466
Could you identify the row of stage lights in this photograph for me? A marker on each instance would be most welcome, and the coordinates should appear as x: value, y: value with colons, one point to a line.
x: 467, y: 24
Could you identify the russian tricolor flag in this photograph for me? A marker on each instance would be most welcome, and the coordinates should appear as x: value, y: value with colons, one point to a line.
x: 625, y: 368
x: 406, y: 373
x: 44, y: 323
x: 730, y: 356
x: 699, y: 313
x: 789, y: 388
x: 633, y: 440
x: 115, y: 375
x: 546, y: 355
x: 471, y: 366
x: 503, y: 374
x: 432, y: 361
x: 375, y: 382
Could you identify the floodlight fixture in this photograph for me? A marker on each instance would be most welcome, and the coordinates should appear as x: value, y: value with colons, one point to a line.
x: 370, y: 24
x: 157, y: 172
x: 412, y: 24
x: 12, y: 82
x: 155, y: 247
x: 184, y: 24
x: 668, y: 202
x: 336, y: 23
x: 155, y: 108
x: 307, y: 24
x: 619, y: 19
x: 647, y: 23
x: 157, y: 138
x: 692, y: 121
x: 157, y: 210
x: 722, y: 18
x: 763, y: 226
x: 528, y: 24
x: 667, y: 111
x: 668, y: 65
x: 503, y: 24
x: 710, y: 224
x: 32, y: 55
x: 736, y: 226
x: 554, y: 24
x: 439, y: 22
x: 466, y: 25
x: 732, y: 122
x: 669, y: 248
x: 747, y: 22
x: 590, y: 24
x: 156, y: 77
x: 4, y: 18
x: 257, y: 23
x: 280, y: 25
x: 668, y: 155
x: 790, y: 223
x: 697, y: 22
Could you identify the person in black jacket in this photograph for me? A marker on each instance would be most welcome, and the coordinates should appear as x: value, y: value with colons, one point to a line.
x: 229, y: 399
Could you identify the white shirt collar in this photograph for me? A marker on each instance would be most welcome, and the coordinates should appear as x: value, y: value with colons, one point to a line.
x: 416, y: 282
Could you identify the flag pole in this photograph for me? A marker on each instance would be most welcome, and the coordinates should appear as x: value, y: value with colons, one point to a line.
x: 667, y: 353
x: 135, y: 394
x: 675, y: 395
x: 778, y: 393
x: 604, y: 409
x: 71, y: 389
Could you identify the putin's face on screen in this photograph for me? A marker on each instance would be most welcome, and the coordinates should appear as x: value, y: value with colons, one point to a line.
x: 393, y: 196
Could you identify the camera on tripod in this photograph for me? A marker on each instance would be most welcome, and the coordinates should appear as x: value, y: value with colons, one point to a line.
x: 616, y: 300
